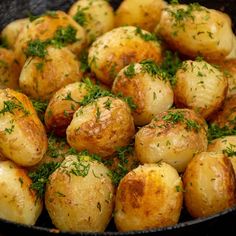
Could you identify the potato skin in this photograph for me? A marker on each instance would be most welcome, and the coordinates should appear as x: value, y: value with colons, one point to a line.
x: 119, y: 47
x: 18, y: 203
x: 99, y: 17
x: 12, y: 30
x: 40, y: 78
x: 209, y: 183
x: 201, y: 87
x: 22, y: 135
x: 44, y: 28
x: 62, y: 106
x: 80, y: 203
x: 215, y: 40
x: 226, y: 145
x: 101, y: 128
x: 174, y: 142
x: 145, y: 14
x: 147, y: 197
x: 151, y: 94
x: 9, y: 69
x: 226, y: 115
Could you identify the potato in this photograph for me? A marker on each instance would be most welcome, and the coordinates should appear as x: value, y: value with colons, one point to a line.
x: 63, y: 105
x: 229, y: 69
x: 226, y: 145
x: 150, y: 91
x: 9, y: 69
x: 22, y: 135
x: 200, y: 86
x: 174, y: 136
x: 40, y: 78
x: 96, y: 17
x: 145, y: 14
x: 195, y: 30
x: 79, y: 195
x: 227, y: 114
x: 120, y: 47
x: 209, y: 184
x: 51, y: 25
x: 18, y: 203
x: 101, y: 127
x: 232, y: 54
x: 12, y: 30
x: 150, y: 196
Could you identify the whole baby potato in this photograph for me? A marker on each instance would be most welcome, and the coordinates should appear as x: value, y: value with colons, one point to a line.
x: 9, y: 69
x: 150, y: 90
x: 174, y: 136
x: 96, y: 17
x: 195, y: 30
x: 118, y: 48
x: 18, y: 203
x: 200, y: 86
x: 22, y: 135
x: 209, y: 183
x: 40, y: 78
x: 101, y: 127
x: 145, y: 14
x: 79, y: 195
x: 149, y: 196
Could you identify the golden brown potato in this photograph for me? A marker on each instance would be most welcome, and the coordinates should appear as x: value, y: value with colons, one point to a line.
x: 101, y: 127
x: 51, y: 25
x: 174, y: 136
x: 96, y: 17
x: 22, y: 135
x: 120, y: 47
x: 209, y: 183
x: 195, y: 30
x: 226, y: 145
x: 150, y: 196
x: 79, y: 195
x: 145, y: 14
x: 40, y: 78
x: 227, y: 114
x: 150, y: 91
x: 62, y: 107
x: 9, y: 69
x: 12, y: 30
x: 229, y: 69
x: 18, y: 203
x: 200, y: 86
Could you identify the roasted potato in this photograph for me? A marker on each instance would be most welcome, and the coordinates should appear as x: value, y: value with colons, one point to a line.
x: 18, y: 202
x: 53, y: 28
x: 145, y: 14
x: 209, y: 184
x: 96, y: 17
x: 226, y: 145
x: 22, y: 135
x: 79, y: 195
x: 227, y: 114
x: 9, y: 69
x: 40, y: 78
x: 120, y: 47
x: 63, y: 105
x: 12, y: 30
x: 195, y: 30
x: 150, y: 196
x: 150, y: 91
x: 174, y: 136
x: 201, y: 87
x: 101, y: 127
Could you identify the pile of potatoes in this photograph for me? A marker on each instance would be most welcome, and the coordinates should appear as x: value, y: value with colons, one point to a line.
x: 100, y: 74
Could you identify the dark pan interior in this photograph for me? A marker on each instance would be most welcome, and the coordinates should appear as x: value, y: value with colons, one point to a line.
x: 220, y: 223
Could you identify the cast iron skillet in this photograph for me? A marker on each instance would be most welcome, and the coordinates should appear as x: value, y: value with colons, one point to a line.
x: 224, y: 222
